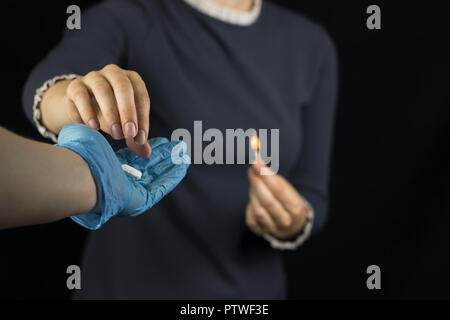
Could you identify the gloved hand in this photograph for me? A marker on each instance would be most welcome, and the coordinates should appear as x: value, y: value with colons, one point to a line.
x: 121, y: 193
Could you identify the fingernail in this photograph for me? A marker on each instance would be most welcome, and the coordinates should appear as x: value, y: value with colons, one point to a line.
x: 93, y: 124
x: 116, y: 131
x: 130, y: 130
x: 140, y: 137
x: 257, y: 165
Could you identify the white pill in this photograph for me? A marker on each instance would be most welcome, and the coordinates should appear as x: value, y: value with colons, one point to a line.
x: 132, y: 171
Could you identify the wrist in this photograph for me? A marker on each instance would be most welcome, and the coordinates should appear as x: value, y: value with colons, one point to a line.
x: 302, y: 236
x: 298, y: 224
x: 55, y: 107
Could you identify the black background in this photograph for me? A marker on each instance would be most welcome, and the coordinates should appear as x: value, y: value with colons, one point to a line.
x: 389, y: 200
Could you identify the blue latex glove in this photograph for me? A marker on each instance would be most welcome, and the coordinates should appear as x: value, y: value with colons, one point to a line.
x: 121, y: 193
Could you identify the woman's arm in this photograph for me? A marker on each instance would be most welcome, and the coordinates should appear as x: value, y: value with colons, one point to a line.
x: 297, y: 206
x: 41, y: 183
x: 311, y: 175
x: 79, y: 81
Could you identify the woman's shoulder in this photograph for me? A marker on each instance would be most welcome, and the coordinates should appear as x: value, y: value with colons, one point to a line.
x: 129, y: 10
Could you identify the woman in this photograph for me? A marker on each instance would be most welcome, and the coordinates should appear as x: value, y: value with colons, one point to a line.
x: 230, y: 64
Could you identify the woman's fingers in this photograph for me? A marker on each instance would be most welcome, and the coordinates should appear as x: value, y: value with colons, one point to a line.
x: 81, y: 109
x: 276, y: 210
x: 283, y: 191
x: 143, y: 150
x: 250, y: 220
x: 124, y: 96
x: 104, y: 96
x: 74, y: 115
x: 142, y: 101
x: 278, y: 207
x: 139, y: 144
x: 262, y: 216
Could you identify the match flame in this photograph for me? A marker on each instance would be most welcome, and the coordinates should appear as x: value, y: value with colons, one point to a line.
x: 254, y: 142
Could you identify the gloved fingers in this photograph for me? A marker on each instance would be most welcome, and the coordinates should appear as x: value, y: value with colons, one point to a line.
x: 164, y: 160
x: 161, y: 152
x: 153, y: 186
x: 150, y: 174
x: 126, y: 156
x: 174, y: 150
x: 165, y: 163
x: 166, y: 181
x: 156, y: 142
x: 139, y: 201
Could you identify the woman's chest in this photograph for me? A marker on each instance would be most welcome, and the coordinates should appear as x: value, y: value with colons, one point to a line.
x: 220, y: 100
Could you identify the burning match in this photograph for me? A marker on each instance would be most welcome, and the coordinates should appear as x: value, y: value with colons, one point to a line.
x: 254, y: 144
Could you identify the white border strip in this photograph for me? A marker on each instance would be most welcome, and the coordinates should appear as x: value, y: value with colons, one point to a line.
x: 236, y: 17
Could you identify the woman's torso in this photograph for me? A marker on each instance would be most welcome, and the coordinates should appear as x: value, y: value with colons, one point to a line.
x: 194, y: 243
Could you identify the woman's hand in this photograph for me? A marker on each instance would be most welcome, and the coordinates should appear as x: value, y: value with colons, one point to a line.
x: 112, y: 99
x: 275, y: 207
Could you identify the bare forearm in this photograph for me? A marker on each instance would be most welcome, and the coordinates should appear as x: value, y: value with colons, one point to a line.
x: 41, y: 183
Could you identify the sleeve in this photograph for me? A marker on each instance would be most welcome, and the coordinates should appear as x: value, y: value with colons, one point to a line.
x: 311, y: 174
x: 300, y: 239
x: 100, y: 41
